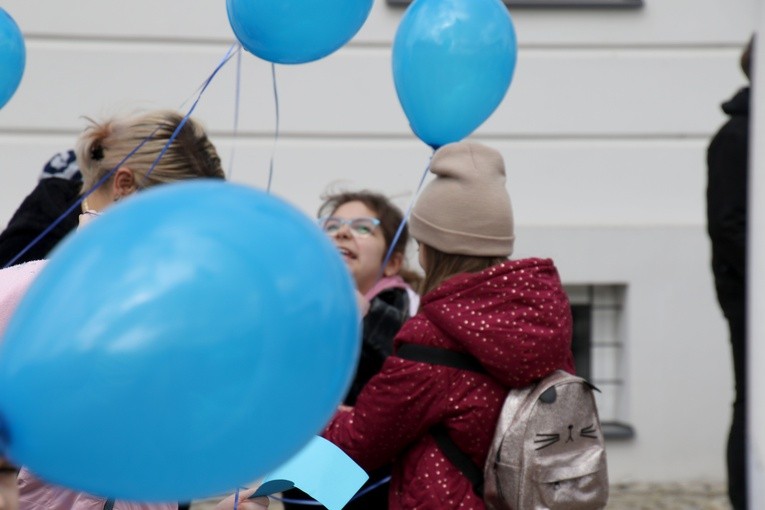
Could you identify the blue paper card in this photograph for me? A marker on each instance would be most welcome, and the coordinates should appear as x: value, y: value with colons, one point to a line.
x: 321, y: 470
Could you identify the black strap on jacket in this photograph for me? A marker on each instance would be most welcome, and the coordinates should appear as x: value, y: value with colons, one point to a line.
x: 440, y: 356
x: 109, y: 504
x: 457, y: 457
x: 462, y: 361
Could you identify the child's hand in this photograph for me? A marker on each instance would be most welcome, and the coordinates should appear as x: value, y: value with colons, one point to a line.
x: 244, y: 503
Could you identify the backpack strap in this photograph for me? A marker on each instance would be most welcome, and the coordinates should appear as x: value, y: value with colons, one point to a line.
x: 109, y: 504
x: 440, y: 356
x: 462, y: 361
x: 457, y: 457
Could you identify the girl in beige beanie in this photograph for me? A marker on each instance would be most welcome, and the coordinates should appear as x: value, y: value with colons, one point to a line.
x: 511, y: 316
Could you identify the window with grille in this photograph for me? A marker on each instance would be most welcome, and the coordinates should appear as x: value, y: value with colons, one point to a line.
x: 599, y: 351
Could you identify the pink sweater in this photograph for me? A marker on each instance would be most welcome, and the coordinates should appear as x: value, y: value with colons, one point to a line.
x: 14, y: 282
x: 34, y: 494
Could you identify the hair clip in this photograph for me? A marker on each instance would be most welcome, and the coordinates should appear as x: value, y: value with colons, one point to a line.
x: 97, y: 153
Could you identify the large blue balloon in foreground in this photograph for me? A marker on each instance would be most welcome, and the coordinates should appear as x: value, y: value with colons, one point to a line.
x: 12, y: 57
x: 296, y: 31
x: 190, y: 340
x: 453, y: 61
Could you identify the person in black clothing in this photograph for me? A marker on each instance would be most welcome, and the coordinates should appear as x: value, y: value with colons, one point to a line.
x: 728, y: 168
x: 363, y: 226
x: 57, y: 189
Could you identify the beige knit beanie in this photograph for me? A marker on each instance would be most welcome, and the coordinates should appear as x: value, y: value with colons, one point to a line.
x: 466, y: 209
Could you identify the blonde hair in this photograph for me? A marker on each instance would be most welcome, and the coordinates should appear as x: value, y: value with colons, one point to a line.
x: 103, y: 145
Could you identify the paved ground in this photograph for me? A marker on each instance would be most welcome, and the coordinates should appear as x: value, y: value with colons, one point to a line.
x: 690, y: 496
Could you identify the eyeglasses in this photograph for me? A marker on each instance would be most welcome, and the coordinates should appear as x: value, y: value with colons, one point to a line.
x: 359, y: 227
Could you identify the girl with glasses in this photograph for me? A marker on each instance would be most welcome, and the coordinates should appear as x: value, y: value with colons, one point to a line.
x: 511, y: 316
x: 363, y: 226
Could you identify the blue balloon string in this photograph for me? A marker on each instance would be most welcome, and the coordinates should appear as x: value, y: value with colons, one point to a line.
x: 111, y: 172
x: 236, y: 499
x: 276, y: 133
x: 404, y: 221
x: 201, y: 85
x: 78, y: 202
x: 185, y: 119
x: 310, y: 502
x: 237, y: 95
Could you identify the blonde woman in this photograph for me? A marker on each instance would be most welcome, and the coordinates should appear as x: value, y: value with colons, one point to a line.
x: 131, y: 145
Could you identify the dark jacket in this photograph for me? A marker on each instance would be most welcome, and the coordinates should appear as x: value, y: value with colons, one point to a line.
x: 727, y: 164
x: 515, y: 319
x: 388, y: 311
x: 57, y: 189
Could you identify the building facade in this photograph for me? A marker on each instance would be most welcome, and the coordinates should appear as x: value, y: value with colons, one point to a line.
x: 604, y: 131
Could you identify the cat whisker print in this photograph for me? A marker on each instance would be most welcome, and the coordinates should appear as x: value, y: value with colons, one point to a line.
x: 546, y: 440
x: 554, y: 470
x: 589, y: 431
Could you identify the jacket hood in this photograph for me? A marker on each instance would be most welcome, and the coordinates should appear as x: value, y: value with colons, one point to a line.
x: 738, y: 104
x: 515, y: 318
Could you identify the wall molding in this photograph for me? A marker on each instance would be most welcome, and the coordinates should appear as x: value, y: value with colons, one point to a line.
x: 557, y: 4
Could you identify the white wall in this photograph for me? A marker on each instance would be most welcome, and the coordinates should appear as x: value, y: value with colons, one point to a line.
x: 677, y: 361
x: 604, y: 131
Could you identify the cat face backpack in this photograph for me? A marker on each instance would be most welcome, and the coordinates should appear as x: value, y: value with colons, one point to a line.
x: 547, y: 452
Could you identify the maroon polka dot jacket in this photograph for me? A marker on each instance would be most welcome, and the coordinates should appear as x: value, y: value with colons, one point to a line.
x: 515, y: 318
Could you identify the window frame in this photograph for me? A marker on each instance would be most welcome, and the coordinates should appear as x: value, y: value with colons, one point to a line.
x: 591, y: 334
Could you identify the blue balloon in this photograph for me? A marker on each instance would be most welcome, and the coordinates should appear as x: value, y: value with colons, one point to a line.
x: 13, y: 57
x: 188, y: 341
x: 453, y: 61
x: 295, y: 31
